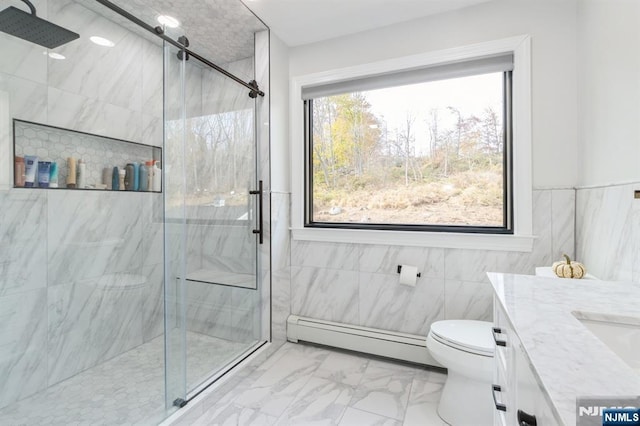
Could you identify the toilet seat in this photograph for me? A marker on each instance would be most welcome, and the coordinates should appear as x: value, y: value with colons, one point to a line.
x: 466, y: 335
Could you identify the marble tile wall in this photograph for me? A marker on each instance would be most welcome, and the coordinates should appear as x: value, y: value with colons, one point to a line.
x: 280, y: 264
x: 78, y: 284
x: 358, y: 283
x: 23, y: 294
x: 80, y: 272
x: 608, y: 231
x: 215, y: 310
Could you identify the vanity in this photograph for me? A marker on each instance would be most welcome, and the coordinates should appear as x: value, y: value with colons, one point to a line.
x: 558, y: 340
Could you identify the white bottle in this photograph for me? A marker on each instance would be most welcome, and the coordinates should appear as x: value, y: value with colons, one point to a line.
x: 82, y: 174
x: 122, y: 173
x: 157, y: 177
x: 149, y: 175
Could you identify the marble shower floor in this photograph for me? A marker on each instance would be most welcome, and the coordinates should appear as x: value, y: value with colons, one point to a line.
x: 128, y: 389
x: 310, y: 385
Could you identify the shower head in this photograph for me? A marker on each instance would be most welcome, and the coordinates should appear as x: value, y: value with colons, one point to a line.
x: 28, y: 26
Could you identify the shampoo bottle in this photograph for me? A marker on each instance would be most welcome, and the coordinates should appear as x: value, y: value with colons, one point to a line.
x: 44, y: 173
x: 19, y: 172
x: 53, y: 175
x: 71, y: 172
x: 144, y: 177
x: 150, y: 175
x: 31, y: 170
x: 82, y: 172
x: 136, y: 176
x: 115, y: 179
x: 107, y: 177
x: 129, y: 178
x: 122, y: 174
x: 157, y: 177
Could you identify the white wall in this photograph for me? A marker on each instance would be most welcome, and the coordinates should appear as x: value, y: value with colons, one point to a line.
x: 280, y: 181
x: 552, y: 25
x: 357, y: 283
x: 609, y: 91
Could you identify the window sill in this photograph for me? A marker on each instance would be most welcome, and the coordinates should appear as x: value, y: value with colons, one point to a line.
x: 517, y: 243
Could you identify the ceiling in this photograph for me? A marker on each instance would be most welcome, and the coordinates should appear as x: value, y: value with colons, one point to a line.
x: 220, y: 30
x: 223, y: 30
x: 298, y: 22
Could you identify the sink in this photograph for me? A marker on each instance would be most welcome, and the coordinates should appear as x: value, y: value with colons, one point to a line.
x: 620, y: 334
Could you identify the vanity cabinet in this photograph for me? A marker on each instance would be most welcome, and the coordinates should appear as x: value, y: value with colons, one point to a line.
x: 518, y: 398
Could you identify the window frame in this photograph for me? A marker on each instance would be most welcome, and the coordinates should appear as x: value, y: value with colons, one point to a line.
x: 518, y: 238
x: 507, y: 181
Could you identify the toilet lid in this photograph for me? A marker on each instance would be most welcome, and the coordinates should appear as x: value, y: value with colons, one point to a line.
x: 469, y: 335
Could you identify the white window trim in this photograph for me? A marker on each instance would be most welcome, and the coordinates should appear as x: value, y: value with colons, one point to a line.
x: 522, y: 238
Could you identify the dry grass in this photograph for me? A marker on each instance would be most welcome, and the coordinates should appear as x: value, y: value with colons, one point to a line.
x: 468, y: 198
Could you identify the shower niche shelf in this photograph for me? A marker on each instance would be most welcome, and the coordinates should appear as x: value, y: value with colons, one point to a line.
x: 55, y: 144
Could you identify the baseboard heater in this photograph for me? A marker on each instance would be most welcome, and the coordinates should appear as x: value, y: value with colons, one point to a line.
x: 401, y: 346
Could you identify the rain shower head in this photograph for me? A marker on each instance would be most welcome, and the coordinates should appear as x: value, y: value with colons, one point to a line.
x: 28, y: 26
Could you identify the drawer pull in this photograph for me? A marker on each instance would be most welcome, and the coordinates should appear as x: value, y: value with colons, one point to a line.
x: 499, y: 342
x: 526, y: 419
x: 499, y: 406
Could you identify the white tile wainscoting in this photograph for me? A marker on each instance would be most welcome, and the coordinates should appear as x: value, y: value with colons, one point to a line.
x: 608, y: 231
x: 358, y: 283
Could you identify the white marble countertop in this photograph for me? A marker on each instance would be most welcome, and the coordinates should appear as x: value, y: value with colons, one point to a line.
x: 568, y: 359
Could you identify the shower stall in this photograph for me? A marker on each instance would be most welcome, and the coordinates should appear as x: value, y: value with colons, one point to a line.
x: 122, y: 301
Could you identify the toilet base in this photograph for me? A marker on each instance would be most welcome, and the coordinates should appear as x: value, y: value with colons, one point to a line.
x: 466, y: 402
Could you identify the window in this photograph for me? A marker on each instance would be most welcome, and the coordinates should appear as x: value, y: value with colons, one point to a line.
x: 426, y: 149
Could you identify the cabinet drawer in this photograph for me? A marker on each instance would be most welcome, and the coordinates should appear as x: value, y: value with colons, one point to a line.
x: 500, y: 418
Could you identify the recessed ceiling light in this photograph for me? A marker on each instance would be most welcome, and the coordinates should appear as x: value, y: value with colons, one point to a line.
x: 54, y: 55
x: 101, y: 41
x: 168, y: 21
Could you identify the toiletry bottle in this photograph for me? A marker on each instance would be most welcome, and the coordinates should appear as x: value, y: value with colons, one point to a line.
x: 150, y: 172
x: 53, y: 175
x: 115, y: 179
x: 136, y: 176
x: 44, y: 173
x: 144, y: 177
x: 30, y: 170
x: 129, y: 177
x: 19, y: 172
x: 82, y: 172
x: 107, y: 177
x: 71, y: 172
x: 122, y: 173
x: 157, y: 177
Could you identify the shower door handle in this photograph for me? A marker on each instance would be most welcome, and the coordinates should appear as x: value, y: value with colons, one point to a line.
x: 259, y: 231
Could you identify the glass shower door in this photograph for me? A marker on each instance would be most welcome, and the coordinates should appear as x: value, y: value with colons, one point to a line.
x: 175, y: 237
x: 212, y: 206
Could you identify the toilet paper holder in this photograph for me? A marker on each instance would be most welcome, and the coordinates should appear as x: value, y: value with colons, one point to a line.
x: 400, y: 269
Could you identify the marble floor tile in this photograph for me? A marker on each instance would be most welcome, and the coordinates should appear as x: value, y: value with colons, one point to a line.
x: 353, y: 417
x: 423, y: 400
x: 235, y: 415
x: 343, y: 368
x: 320, y: 402
x: 384, y: 389
x: 278, y: 386
x: 313, y: 385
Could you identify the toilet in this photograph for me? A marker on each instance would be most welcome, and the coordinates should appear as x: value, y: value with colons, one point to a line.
x: 465, y: 348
